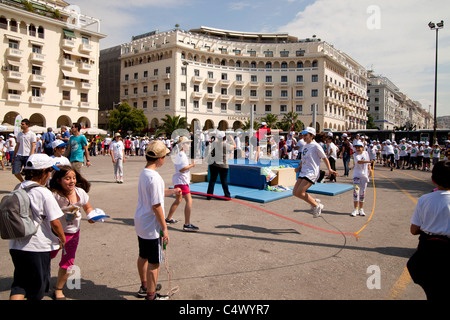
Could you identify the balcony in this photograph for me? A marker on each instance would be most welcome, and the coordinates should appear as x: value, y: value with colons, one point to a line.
x: 15, y: 75
x: 165, y: 92
x: 211, y: 80
x: 254, y: 84
x: 87, y: 67
x: 253, y: 99
x: 299, y: 84
x: 211, y: 96
x: 86, y: 85
x: 84, y: 104
x: 37, y: 100
x: 268, y: 84
x: 166, y: 76
x: 37, y: 57
x: 197, y: 79
x: 225, y: 82
x: 85, y: 47
x: 68, y: 83
x: 13, y: 97
x: 14, y: 53
x: 197, y: 95
x: 239, y: 83
x: 69, y: 44
x: 37, y: 78
x: 239, y: 98
x: 66, y: 103
x: 66, y: 63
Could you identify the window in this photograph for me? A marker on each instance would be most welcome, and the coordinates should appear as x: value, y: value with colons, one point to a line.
x: 300, y: 53
x: 284, y: 78
x: 36, y: 70
x: 167, y: 102
x: 209, y: 90
x: 314, y: 93
x: 299, y: 65
x: 36, y: 49
x: 299, y: 108
x: 268, y: 108
x: 144, y: 104
x: 268, y: 93
x: 253, y: 93
x: 196, y: 105
x: 253, y: 65
x: 253, y: 78
x: 268, y: 53
x: 167, y: 69
x: 136, y: 75
x: 239, y: 77
x: 284, y: 93
x: 135, y: 105
x: 84, y: 40
x: 284, y: 53
x: 299, y: 93
x: 84, y: 97
x: 168, y: 86
x: 146, y: 74
x: 155, y: 87
x: 126, y: 77
x: 183, y: 87
x: 66, y: 95
x: 35, y: 92
x: 283, y: 108
x: 315, y: 78
x: 135, y: 90
x: 155, y: 72
x: 13, y: 44
x: 210, y: 75
x: 299, y: 78
x: 284, y: 65
x: 268, y: 65
x: 224, y: 91
x: 223, y: 107
x: 209, y: 106
x: 224, y: 76
x: 238, y: 107
x: 155, y: 104
x: 196, y: 88
x: 145, y: 89
x: 196, y: 72
x: 239, y: 92
x: 268, y: 78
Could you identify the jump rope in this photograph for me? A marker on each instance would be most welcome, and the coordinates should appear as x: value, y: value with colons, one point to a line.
x: 355, y: 234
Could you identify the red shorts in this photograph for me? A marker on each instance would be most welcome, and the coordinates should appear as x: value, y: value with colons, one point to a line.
x: 184, y: 188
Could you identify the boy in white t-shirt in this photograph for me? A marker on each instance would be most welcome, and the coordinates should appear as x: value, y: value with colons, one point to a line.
x: 181, y: 180
x: 31, y: 255
x: 429, y: 265
x: 361, y: 173
x: 149, y: 220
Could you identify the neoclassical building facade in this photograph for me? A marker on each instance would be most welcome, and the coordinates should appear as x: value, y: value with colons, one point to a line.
x: 216, y: 77
x: 50, y: 63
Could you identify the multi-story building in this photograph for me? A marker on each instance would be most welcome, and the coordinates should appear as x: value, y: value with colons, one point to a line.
x: 391, y: 108
x: 50, y: 64
x: 220, y: 75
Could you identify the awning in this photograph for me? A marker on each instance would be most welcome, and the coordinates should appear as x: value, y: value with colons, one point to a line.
x: 15, y: 86
x: 75, y: 75
x: 78, y: 54
x: 14, y: 63
x: 69, y: 34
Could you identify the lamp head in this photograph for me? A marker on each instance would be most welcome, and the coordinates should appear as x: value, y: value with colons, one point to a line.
x: 432, y: 25
x: 440, y: 24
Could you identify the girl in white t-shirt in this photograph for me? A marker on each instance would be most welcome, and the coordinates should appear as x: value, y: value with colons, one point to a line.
x: 361, y: 173
x: 309, y: 169
x: 70, y: 191
x: 181, y: 180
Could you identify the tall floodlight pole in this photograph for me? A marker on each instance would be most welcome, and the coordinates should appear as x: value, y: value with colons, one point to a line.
x: 185, y: 64
x: 436, y: 27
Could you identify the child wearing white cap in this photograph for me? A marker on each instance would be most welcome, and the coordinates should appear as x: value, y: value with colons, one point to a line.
x: 361, y: 174
x: 426, y: 157
x: 310, y: 169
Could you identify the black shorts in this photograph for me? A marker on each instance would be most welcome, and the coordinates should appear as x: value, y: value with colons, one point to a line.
x: 151, y: 250
x: 31, y: 273
x: 307, y: 179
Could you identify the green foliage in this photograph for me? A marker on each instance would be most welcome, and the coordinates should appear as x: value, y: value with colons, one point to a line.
x: 124, y: 119
x: 170, y: 124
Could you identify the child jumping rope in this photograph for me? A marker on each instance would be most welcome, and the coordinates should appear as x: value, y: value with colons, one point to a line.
x: 181, y: 180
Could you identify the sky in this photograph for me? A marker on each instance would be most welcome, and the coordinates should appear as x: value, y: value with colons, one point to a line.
x: 392, y: 38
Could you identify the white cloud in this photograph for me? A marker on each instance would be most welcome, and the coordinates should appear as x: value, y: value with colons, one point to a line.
x: 401, y: 47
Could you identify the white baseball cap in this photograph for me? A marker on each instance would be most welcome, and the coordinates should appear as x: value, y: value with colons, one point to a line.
x: 58, y: 144
x: 309, y: 130
x: 40, y: 161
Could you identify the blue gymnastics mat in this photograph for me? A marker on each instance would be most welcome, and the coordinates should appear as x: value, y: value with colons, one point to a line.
x: 330, y: 189
x: 263, y: 196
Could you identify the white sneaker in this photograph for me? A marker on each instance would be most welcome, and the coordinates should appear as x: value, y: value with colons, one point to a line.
x: 354, y: 213
x: 361, y: 212
x: 317, y: 210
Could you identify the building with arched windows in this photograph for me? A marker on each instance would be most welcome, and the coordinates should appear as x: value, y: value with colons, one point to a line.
x: 50, y: 69
x: 219, y: 75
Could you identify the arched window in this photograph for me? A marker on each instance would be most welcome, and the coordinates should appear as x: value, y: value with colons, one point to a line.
x: 268, y: 65
x: 300, y: 64
x: 40, y: 32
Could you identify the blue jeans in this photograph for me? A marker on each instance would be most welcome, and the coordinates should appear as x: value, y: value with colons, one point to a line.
x: 346, y: 159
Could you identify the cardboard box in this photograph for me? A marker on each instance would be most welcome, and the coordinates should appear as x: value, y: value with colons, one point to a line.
x: 286, y: 177
x: 199, y: 177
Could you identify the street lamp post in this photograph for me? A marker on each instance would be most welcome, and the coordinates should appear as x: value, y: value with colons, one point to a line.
x: 185, y: 63
x: 436, y: 27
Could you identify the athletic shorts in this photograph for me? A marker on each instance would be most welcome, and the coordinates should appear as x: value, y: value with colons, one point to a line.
x: 31, y: 273
x: 307, y: 179
x: 184, y: 188
x: 151, y: 250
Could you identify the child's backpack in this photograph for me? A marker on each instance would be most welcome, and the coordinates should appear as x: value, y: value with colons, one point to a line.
x: 16, y: 217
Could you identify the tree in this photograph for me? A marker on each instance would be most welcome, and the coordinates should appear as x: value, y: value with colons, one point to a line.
x: 170, y: 124
x: 370, y: 123
x: 288, y: 119
x: 124, y: 119
x: 247, y: 124
x: 270, y: 119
